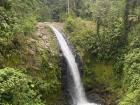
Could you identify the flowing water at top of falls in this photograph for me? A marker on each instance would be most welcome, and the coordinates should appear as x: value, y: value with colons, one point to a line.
x: 78, y: 87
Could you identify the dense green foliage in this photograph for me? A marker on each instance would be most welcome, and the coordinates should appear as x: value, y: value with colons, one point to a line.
x: 17, y: 17
x: 105, y: 33
x: 131, y: 70
x: 111, y: 37
x: 16, y: 88
x: 21, y: 49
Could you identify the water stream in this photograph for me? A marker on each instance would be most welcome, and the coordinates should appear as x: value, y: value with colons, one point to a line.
x: 79, y: 98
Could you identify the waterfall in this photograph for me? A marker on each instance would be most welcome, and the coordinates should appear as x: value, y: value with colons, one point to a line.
x: 79, y: 98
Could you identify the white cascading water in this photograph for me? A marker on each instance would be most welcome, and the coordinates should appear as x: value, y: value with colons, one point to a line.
x: 78, y: 87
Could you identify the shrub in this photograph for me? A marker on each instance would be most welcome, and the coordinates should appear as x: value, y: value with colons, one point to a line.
x: 17, y: 88
x: 132, y: 98
x: 132, y: 69
x: 103, y: 47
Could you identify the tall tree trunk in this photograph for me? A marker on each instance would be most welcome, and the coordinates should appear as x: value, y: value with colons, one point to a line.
x: 1, y: 2
x: 135, y: 5
x: 126, y: 21
x: 68, y: 6
x: 98, y: 28
x: 74, y: 5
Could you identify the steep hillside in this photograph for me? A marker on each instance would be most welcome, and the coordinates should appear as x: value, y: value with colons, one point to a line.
x: 36, y: 57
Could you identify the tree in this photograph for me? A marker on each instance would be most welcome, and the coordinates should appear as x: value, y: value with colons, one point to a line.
x: 131, y: 17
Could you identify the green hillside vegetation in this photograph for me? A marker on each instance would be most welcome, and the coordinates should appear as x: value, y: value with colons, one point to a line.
x: 105, y: 34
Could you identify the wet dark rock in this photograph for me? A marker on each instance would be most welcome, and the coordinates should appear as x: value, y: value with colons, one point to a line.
x: 67, y: 80
x: 80, y: 64
x: 100, y: 94
x: 64, y: 79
